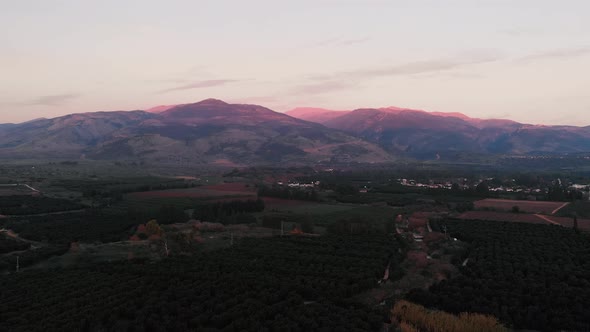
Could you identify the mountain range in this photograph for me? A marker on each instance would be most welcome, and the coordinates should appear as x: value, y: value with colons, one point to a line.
x: 421, y: 134
x: 214, y: 132
x: 208, y: 132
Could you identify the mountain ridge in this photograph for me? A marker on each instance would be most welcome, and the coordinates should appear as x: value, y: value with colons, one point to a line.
x: 202, y: 132
x: 422, y: 134
x: 211, y: 130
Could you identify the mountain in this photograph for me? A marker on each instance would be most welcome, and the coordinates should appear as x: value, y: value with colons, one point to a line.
x: 160, y: 108
x: 210, y: 131
x: 312, y: 114
x: 421, y: 134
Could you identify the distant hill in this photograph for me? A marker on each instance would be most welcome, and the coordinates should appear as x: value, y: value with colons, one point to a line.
x: 210, y: 131
x: 421, y: 134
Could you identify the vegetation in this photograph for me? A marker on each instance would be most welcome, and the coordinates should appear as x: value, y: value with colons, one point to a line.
x: 529, y: 276
x: 280, y: 284
x: 285, y: 192
x: 8, y: 244
x: 30, y: 257
x: 26, y: 204
x: 413, y: 317
x: 580, y: 209
x: 228, y: 212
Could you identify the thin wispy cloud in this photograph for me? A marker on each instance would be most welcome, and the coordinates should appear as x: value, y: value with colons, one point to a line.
x: 339, y: 41
x: 416, y: 67
x: 322, y: 87
x: 52, y: 100
x: 556, y: 54
x: 198, y: 85
x: 354, y: 41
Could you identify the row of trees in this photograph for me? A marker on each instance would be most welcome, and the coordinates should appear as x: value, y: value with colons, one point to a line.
x: 26, y: 204
x: 8, y: 244
x: 289, y: 283
x: 529, y: 276
x: 236, y: 211
x: 285, y: 192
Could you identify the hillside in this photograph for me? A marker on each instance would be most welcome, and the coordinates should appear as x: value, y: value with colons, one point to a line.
x: 210, y: 131
x: 428, y: 135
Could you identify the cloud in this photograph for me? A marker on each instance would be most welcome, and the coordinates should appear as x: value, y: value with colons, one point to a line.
x: 319, y: 88
x: 198, y: 85
x: 354, y: 41
x: 52, y: 100
x: 556, y: 54
x: 339, y: 41
x: 417, y: 67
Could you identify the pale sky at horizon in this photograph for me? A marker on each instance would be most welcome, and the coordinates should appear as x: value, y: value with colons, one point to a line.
x: 526, y: 60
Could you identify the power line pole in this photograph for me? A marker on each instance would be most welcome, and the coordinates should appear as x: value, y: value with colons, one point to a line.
x: 17, y: 263
x: 282, y: 228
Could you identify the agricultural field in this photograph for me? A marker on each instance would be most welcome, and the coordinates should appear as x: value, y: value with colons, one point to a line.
x: 279, y: 284
x: 9, y: 244
x: 187, y: 198
x: 35, y: 205
x: 16, y: 189
x: 304, y: 207
x: 540, y: 207
x: 583, y: 224
x: 531, y: 277
x: 579, y: 208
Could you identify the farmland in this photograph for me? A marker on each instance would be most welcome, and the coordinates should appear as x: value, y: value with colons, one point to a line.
x: 529, y: 276
x: 99, y: 231
x: 583, y: 224
x: 16, y: 189
x: 187, y: 198
x: 279, y: 283
x: 524, y: 206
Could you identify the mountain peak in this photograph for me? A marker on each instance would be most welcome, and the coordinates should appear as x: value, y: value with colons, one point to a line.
x: 211, y: 102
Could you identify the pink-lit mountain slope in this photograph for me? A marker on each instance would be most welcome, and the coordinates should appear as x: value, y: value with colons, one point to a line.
x: 424, y: 134
x: 202, y: 132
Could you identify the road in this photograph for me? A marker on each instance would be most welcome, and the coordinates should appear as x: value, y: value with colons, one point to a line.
x: 561, y: 207
x: 548, y: 220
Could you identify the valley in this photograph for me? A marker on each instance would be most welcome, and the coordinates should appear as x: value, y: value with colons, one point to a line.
x: 296, y: 224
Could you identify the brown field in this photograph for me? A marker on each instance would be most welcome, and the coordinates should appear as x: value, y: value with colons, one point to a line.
x: 524, y: 206
x: 583, y: 224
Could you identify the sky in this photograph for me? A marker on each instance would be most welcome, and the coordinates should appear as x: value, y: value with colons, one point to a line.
x: 526, y: 60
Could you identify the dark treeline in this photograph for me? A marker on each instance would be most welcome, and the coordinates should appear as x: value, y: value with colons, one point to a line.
x: 285, y: 192
x: 92, y: 225
x: 88, y: 226
x: 529, y: 276
x: 272, y: 284
x: 8, y: 244
x: 24, y: 204
x: 30, y: 257
x: 236, y: 211
x: 164, y: 214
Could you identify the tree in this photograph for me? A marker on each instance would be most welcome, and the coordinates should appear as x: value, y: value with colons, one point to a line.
x: 152, y: 228
x: 482, y: 188
x: 307, y: 225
